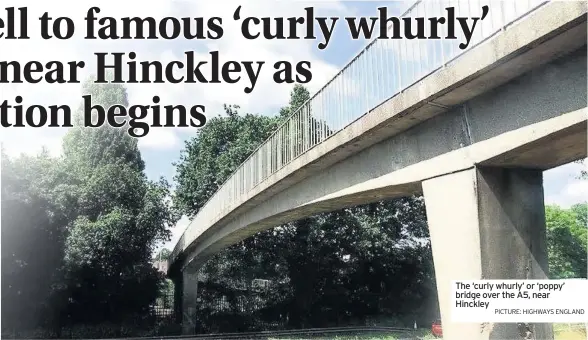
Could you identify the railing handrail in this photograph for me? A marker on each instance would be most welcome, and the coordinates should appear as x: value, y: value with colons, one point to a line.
x: 282, y: 124
x: 295, y: 139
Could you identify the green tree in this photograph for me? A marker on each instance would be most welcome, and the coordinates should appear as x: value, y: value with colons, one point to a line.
x: 298, y: 96
x: 211, y: 157
x: 325, y: 269
x: 580, y: 211
x: 32, y: 241
x: 162, y: 255
x: 566, y: 241
x: 583, y: 172
x: 117, y: 217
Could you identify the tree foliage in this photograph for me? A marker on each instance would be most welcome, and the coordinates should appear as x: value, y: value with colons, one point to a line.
x: 566, y: 241
x: 32, y: 239
x: 162, y: 255
x: 82, y: 227
x: 583, y: 171
x: 117, y: 218
x: 326, y: 269
x: 211, y: 157
x: 79, y: 232
x: 298, y: 97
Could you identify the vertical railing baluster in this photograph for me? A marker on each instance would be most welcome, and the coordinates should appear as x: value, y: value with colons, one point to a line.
x: 383, y: 69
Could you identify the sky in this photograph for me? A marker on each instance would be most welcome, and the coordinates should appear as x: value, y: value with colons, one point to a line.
x: 162, y: 146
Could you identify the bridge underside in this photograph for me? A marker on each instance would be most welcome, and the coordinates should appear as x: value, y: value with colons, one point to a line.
x: 476, y: 153
x: 537, y: 121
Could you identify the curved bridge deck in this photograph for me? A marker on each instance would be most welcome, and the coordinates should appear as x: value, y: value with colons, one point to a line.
x: 389, y: 88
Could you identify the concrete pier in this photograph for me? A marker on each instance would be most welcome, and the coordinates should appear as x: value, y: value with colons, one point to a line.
x: 487, y: 223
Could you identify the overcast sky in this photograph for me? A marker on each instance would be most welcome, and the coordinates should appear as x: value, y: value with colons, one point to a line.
x: 162, y: 146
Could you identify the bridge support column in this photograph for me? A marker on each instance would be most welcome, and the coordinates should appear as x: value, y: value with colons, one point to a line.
x: 487, y: 223
x: 189, y: 295
x: 178, y: 287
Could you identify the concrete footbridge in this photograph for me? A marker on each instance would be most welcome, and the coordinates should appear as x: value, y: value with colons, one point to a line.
x: 472, y: 130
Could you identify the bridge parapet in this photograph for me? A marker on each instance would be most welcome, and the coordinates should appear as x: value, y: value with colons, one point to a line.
x: 383, y: 69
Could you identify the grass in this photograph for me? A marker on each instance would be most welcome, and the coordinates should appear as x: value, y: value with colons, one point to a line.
x: 345, y: 337
x: 561, y: 332
x: 420, y: 334
x: 569, y: 331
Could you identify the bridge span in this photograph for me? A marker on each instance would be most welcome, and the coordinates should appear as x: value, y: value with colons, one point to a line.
x: 471, y: 130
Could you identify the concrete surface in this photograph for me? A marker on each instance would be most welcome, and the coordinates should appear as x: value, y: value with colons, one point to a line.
x: 513, y: 125
x: 550, y: 32
x: 489, y: 225
x: 474, y: 136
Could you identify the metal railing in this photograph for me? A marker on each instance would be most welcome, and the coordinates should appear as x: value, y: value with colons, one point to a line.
x: 380, y: 71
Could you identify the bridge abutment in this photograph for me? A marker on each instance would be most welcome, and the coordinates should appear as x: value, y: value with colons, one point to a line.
x: 487, y: 223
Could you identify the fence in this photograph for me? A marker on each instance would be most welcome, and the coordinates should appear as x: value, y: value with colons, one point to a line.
x: 381, y: 70
x: 164, y: 307
x: 226, y: 308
